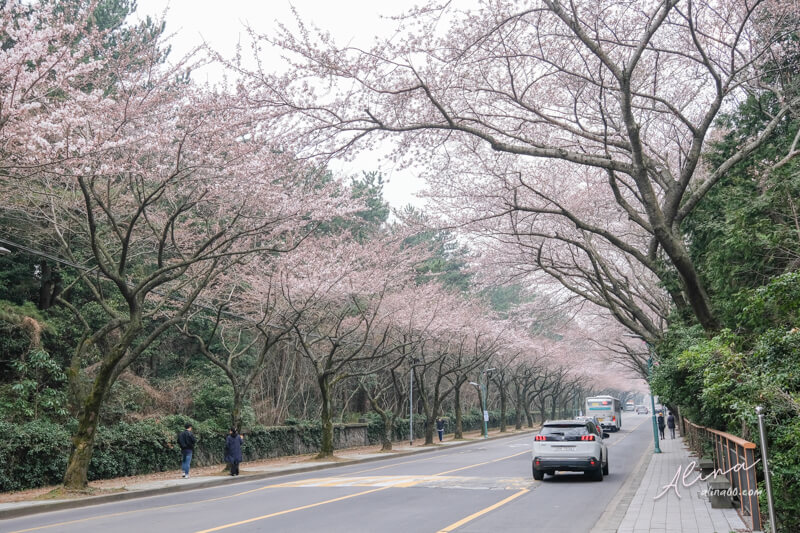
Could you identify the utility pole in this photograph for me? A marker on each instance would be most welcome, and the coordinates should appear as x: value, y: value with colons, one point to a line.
x: 656, y: 447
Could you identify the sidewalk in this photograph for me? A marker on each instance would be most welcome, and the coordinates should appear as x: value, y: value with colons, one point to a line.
x: 651, y: 505
x: 36, y: 500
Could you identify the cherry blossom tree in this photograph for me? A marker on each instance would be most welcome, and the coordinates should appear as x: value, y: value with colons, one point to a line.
x: 559, y: 100
x: 244, y: 320
x: 386, y: 391
x: 152, y: 186
x: 345, y: 330
x: 465, y: 338
x: 416, y: 311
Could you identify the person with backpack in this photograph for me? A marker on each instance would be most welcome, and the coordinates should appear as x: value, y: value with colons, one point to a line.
x: 661, y: 424
x: 186, y: 441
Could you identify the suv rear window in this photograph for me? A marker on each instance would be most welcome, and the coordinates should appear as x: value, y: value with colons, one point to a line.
x: 566, y: 431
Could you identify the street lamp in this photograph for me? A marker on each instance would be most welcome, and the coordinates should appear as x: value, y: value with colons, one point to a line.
x: 481, y: 385
x: 482, y: 394
x: 656, y: 448
x: 411, y: 403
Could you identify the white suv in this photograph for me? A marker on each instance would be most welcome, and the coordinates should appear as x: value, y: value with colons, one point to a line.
x: 573, y: 445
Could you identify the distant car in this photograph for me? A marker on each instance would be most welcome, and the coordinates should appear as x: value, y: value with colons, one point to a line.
x: 642, y: 410
x: 569, y: 445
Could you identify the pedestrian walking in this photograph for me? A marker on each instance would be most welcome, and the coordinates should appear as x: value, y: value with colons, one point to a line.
x: 440, y: 428
x: 661, y: 424
x: 186, y: 440
x: 671, y: 425
x: 233, y: 450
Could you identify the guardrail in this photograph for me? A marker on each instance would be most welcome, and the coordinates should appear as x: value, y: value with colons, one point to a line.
x: 735, y: 458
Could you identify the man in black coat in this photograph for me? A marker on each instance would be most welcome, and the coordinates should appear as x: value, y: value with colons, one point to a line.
x: 186, y: 441
x: 233, y: 450
x: 671, y: 425
x: 440, y: 428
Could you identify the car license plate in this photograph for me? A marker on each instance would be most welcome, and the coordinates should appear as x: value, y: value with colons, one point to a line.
x: 564, y: 446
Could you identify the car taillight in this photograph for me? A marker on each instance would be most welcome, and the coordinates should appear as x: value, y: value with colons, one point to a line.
x: 540, y: 437
x: 587, y: 437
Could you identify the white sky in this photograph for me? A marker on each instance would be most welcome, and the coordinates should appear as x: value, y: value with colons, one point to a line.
x: 221, y: 25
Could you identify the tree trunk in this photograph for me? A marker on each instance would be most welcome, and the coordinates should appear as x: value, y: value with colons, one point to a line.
x: 76, y: 475
x: 459, y: 429
x: 503, y: 402
x: 388, y: 431
x: 518, y: 409
x: 422, y: 398
x: 236, y: 413
x: 692, y: 285
x: 50, y: 285
x: 326, y: 444
x: 388, y: 418
x: 430, y: 423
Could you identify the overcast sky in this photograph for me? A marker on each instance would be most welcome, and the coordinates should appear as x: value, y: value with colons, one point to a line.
x: 221, y: 23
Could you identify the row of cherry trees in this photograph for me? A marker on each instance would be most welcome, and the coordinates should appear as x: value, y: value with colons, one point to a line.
x: 179, y: 208
x: 359, y: 320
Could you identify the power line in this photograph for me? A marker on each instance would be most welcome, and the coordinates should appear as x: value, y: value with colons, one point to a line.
x: 45, y: 255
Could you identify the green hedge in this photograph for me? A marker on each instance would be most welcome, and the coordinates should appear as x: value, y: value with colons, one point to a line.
x: 32, y: 454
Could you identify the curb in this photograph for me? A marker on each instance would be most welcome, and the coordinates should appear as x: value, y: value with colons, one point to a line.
x: 38, y: 508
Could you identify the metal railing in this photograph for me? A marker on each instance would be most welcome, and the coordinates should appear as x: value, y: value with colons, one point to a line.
x: 736, y: 459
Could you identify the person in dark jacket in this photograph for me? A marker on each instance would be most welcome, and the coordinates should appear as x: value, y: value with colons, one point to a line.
x: 440, y: 428
x: 671, y: 425
x: 186, y: 441
x: 233, y: 450
x: 661, y: 424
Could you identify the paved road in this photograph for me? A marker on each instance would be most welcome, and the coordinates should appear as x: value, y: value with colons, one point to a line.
x: 478, y: 488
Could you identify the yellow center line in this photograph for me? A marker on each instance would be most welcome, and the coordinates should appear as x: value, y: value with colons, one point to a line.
x: 482, y: 512
x: 287, y: 511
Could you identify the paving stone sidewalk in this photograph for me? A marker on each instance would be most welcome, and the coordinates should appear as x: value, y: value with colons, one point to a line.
x: 668, y: 513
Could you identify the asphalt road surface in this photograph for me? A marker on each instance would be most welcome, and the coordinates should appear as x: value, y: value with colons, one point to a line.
x: 481, y: 487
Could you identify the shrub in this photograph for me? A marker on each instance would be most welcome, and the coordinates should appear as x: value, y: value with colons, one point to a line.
x: 32, y: 454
